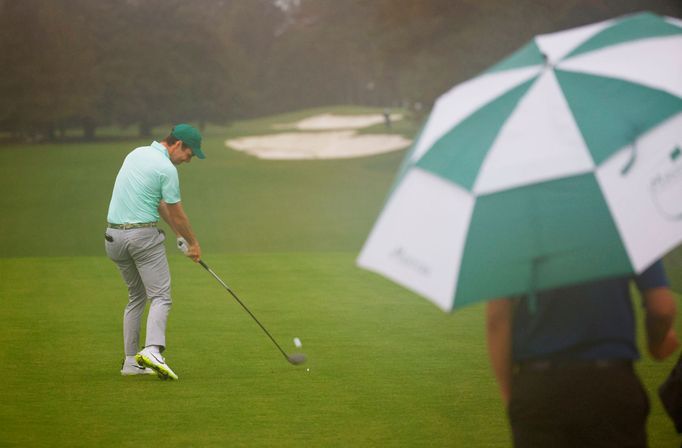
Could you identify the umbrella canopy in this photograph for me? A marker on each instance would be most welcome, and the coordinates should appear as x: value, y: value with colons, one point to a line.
x: 559, y: 165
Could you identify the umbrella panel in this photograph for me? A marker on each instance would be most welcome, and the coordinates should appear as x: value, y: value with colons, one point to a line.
x: 539, y: 237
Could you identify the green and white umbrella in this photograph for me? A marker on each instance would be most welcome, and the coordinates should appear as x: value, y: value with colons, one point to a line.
x: 559, y: 165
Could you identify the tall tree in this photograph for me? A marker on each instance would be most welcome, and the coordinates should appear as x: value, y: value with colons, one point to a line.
x: 46, y: 55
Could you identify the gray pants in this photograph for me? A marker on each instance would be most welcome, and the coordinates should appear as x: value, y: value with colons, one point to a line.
x: 141, y: 257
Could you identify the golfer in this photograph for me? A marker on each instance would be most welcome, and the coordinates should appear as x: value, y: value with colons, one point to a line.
x: 147, y: 186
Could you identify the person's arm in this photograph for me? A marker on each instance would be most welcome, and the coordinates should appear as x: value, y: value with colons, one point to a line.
x: 660, y: 311
x: 176, y: 218
x: 163, y: 211
x: 498, y: 334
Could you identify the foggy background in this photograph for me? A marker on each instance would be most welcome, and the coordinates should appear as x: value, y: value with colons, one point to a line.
x: 84, y: 64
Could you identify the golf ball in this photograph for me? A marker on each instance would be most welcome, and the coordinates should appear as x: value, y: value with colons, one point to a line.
x: 297, y: 342
x: 307, y: 370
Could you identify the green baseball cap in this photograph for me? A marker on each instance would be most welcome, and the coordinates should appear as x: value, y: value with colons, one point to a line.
x: 190, y: 136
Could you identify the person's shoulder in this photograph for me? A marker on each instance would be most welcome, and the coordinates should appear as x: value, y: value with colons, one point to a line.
x: 152, y: 158
x: 164, y: 164
x: 140, y: 151
x: 652, y: 277
x: 155, y: 152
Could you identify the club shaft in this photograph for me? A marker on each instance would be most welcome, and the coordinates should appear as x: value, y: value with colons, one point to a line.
x: 210, y: 271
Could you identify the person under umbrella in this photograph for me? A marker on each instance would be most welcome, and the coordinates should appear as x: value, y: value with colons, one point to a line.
x: 564, y: 360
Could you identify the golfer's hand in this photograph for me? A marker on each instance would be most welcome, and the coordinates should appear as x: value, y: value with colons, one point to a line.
x: 182, y: 244
x: 192, y: 251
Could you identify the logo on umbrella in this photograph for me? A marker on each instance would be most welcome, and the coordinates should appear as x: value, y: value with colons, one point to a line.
x: 666, y: 185
x: 409, y: 261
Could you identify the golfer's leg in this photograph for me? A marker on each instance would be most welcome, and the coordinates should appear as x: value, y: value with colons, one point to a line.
x: 132, y: 316
x: 153, y: 268
x: 137, y: 295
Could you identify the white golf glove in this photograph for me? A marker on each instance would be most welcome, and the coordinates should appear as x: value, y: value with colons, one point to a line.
x: 182, y: 244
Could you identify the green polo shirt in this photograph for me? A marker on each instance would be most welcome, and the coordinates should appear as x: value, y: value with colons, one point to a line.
x: 146, y: 177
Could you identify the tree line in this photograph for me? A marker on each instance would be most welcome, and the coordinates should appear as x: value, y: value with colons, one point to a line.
x: 85, y: 64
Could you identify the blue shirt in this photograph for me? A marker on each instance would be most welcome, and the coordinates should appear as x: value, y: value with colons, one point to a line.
x: 590, y: 321
x: 146, y: 177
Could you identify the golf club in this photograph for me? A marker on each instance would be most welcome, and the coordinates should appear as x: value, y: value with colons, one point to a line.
x: 294, y: 358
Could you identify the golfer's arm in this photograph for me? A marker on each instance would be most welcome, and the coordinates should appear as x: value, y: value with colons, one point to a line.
x: 163, y: 211
x: 498, y: 333
x: 660, y: 315
x: 176, y: 218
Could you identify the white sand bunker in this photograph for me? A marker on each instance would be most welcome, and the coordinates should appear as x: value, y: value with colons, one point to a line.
x: 334, y: 144
x: 318, y: 145
x: 329, y: 121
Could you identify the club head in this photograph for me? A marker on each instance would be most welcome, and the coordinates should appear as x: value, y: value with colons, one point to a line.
x: 296, y: 358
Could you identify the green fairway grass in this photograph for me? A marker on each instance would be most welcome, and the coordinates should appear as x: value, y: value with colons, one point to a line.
x: 385, y: 367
